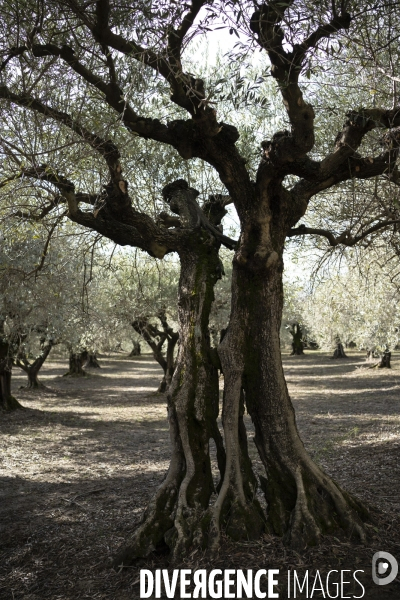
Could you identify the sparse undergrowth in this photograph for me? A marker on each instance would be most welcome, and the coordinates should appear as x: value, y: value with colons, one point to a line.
x: 81, y: 463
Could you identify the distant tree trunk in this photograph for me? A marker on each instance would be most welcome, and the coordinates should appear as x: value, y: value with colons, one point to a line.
x: 385, y: 361
x: 172, y: 339
x: 32, y: 369
x: 33, y: 380
x: 92, y: 362
x: 169, y: 363
x: 297, y: 337
x: 136, y: 350
x: 76, y: 362
x: 156, y: 338
x: 339, y: 351
x: 7, y: 400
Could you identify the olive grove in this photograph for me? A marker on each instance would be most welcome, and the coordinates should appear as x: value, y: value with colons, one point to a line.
x: 93, y: 92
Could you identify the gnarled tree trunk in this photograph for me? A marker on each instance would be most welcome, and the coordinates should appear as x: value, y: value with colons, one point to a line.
x: 76, y: 362
x: 178, y: 515
x: 156, y: 339
x: 32, y: 369
x: 181, y: 514
x: 385, y: 361
x: 303, y: 502
x: 136, y: 350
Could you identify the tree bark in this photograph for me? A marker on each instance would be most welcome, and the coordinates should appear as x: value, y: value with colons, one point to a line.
x: 136, y: 350
x: 179, y: 514
x: 303, y: 502
x: 385, y: 361
x: 7, y: 400
x: 32, y: 369
x: 339, y: 351
x: 297, y: 343
x: 76, y: 362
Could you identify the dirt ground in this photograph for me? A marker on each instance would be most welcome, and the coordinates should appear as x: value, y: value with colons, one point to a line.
x: 78, y: 466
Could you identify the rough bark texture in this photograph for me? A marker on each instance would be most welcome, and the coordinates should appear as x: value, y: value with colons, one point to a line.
x: 180, y: 515
x: 303, y: 502
x: 177, y: 516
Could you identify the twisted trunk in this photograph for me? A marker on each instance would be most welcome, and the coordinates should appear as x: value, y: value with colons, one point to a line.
x: 303, y: 502
x: 156, y: 339
x: 178, y: 515
x: 136, y: 350
x: 32, y: 369
x: 76, y: 362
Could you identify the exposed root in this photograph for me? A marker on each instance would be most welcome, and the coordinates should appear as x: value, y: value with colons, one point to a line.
x: 10, y: 403
x: 33, y: 386
x: 320, y: 507
x: 157, y: 521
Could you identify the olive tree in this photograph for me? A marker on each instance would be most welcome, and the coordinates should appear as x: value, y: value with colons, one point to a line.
x: 108, y: 86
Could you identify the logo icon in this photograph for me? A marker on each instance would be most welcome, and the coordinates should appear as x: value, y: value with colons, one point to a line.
x: 384, y: 568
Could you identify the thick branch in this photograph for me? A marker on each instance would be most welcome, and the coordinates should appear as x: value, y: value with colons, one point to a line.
x: 185, y: 91
x: 176, y: 37
x: 322, y: 32
x: 142, y: 234
x: 353, y: 168
x: 116, y: 219
x: 345, y: 238
x: 357, y: 125
x: 286, y: 68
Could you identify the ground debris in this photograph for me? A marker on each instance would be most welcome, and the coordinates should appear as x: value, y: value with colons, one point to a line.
x: 78, y: 467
